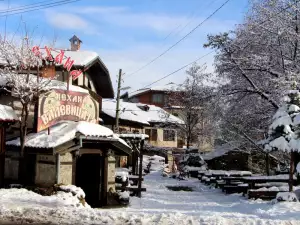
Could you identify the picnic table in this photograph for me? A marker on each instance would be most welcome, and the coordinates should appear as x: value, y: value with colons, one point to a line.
x: 135, y: 179
x: 266, y: 179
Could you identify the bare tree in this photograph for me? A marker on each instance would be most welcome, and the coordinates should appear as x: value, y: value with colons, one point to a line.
x: 255, y: 64
x: 18, y: 59
x: 191, y: 99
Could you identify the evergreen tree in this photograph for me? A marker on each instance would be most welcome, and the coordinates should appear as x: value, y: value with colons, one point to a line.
x: 284, y: 132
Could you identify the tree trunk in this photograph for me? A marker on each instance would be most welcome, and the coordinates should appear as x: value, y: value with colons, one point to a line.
x: 188, y: 140
x: 268, y: 164
x: 291, y: 177
x: 23, y: 133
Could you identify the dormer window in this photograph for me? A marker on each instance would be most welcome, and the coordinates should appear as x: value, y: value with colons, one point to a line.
x: 144, y: 107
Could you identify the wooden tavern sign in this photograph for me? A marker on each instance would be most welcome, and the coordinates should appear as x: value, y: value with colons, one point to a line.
x: 58, y: 105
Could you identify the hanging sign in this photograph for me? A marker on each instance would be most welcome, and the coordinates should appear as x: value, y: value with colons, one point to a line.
x: 58, y: 105
x: 60, y: 58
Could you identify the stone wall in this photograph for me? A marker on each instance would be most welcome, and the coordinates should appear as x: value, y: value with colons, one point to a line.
x: 11, y: 166
x: 65, y: 175
x: 45, y: 170
x: 110, y: 172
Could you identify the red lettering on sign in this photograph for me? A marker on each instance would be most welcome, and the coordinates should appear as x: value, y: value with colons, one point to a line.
x: 48, y: 51
x: 75, y: 74
x: 68, y: 64
x: 58, y: 59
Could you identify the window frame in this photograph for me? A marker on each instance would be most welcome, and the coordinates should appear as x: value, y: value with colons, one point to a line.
x: 169, y: 135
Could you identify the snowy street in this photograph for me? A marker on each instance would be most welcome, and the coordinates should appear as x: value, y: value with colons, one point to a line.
x: 157, y: 206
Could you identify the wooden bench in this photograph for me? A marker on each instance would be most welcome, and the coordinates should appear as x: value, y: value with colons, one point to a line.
x: 230, y: 189
x: 134, y: 179
x: 133, y: 189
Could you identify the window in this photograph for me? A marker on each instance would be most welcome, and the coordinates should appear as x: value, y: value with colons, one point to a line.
x: 152, y: 133
x: 169, y: 135
x: 157, y: 98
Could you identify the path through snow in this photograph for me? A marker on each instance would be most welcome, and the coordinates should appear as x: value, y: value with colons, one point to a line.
x: 157, y: 206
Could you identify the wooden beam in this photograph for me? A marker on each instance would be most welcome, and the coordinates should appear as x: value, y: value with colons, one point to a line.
x: 90, y: 151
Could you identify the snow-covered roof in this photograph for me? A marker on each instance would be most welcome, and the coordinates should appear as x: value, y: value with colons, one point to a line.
x: 134, y: 112
x: 164, y: 88
x: 220, y: 150
x: 49, y: 84
x: 81, y: 58
x: 64, y: 132
x: 134, y: 136
x: 7, y: 113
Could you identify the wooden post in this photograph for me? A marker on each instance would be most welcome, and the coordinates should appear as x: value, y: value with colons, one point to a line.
x: 267, y: 164
x: 291, y: 177
x: 2, y: 155
x: 140, y: 169
x: 118, y: 101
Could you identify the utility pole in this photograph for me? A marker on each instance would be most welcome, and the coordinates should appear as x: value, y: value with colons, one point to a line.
x: 118, y: 101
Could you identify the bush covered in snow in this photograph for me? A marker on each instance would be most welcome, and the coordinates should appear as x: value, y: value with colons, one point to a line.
x: 72, y: 189
x: 286, y: 196
x: 193, y: 160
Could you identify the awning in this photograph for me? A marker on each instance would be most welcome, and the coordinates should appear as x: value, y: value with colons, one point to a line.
x: 119, y: 146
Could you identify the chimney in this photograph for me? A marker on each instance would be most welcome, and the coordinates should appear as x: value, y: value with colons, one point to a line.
x: 75, y: 43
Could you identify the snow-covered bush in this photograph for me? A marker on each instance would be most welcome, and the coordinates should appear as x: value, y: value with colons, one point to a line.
x: 287, y: 197
x: 284, y: 132
x: 75, y: 191
x: 123, y: 197
x: 193, y: 160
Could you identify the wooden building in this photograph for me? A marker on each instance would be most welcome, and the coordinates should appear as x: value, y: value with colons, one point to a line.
x: 65, y: 143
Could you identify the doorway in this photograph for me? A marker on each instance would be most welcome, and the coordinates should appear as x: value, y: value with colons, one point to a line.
x: 89, y: 176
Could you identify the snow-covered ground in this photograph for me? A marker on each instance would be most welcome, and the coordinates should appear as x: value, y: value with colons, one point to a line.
x: 158, y: 205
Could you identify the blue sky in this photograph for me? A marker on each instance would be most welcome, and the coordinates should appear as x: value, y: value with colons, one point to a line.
x: 129, y: 33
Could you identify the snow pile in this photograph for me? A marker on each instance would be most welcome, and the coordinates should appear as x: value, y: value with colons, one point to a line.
x: 157, y: 162
x: 286, y: 196
x: 76, y: 191
x: 158, y: 205
x: 124, y: 195
x: 122, y: 174
x: 23, y: 197
x: 298, y: 168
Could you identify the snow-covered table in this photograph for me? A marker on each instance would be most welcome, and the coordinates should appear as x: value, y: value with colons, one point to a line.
x: 266, y: 179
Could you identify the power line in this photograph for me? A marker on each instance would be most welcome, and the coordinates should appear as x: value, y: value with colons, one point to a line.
x: 190, y: 17
x: 189, y: 22
x: 180, y: 40
x: 50, y: 5
x: 256, y: 25
x: 27, y: 6
x: 181, y: 68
